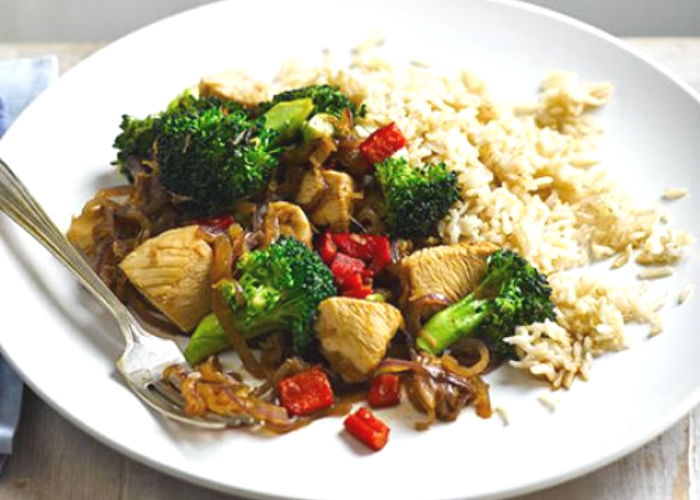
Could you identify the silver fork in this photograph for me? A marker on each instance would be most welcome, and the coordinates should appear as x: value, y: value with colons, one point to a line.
x: 145, y: 355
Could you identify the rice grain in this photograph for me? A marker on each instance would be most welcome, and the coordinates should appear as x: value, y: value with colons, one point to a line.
x: 653, y: 273
x: 673, y: 194
x: 685, y: 293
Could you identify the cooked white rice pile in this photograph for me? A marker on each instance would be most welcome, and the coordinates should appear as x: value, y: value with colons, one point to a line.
x: 531, y: 181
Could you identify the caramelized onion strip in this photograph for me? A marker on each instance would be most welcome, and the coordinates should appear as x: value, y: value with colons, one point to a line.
x: 221, y: 270
x: 423, y: 307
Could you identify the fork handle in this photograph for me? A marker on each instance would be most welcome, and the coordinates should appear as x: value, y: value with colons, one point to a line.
x: 18, y: 203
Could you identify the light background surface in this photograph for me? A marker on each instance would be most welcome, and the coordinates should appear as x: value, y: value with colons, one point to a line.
x: 98, y: 20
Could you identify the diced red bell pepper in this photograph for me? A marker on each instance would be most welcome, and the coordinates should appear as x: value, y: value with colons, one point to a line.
x: 354, y: 245
x: 381, y: 253
x: 305, y: 392
x: 352, y: 281
x: 221, y: 223
x: 384, y: 390
x: 346, y: 268
x: 383, y: 143
x: 367, y: 428
x: 360, y: 292
x: 327, y: 248
x: 373, y: 249
x: 353, y: 278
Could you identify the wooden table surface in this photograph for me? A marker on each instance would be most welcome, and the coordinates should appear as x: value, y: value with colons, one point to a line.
x: 55, y: 460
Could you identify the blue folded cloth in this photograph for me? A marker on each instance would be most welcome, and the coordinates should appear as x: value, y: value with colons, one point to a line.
x: 21, y: 80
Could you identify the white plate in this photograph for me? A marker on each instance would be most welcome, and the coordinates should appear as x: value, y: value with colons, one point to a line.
x: 64, y: 348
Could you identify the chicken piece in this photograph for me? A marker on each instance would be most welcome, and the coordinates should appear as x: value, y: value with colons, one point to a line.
x: 354, y: 334
x: 235, y: 85
x: 449, y: 270
x: 285, y: 219
x: 336, y: 205
x: 311, y: 189
x: 172, y: 271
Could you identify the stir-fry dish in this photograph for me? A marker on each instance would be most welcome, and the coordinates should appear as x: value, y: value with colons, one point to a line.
x: 298, y: 230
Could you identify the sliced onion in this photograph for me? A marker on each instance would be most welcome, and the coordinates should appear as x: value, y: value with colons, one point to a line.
x: 195, y: 404
x: 394, y: 365
x: 225, y: 316
x: 423, y: 307
x: 449, y: 363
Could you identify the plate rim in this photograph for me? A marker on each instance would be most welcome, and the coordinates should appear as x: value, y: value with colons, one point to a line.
x: 646, y: 433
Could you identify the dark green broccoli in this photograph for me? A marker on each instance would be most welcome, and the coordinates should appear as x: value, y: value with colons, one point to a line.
x: 326, y: 98
x: 513, y: 292
x: 282, y: 286
x: 211, y: 151
x: 138, y: 136
x: 215, y: 154
x: 416, y: 198
x: 135, y: 141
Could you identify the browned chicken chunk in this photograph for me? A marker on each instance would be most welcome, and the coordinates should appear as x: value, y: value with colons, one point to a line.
x: 172, y: 271
x: 311, y: 189
x: 354, y: 334
x: 286, y: 219
x: 451, y: 271
x: 330, y: 198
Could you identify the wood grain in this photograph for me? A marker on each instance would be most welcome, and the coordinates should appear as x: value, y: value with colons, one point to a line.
x: 54, y: 460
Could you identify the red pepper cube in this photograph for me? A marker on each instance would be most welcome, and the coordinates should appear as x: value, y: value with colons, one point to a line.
x: 352, y: 281
x: 384, y: 390
x: 327, y: 248
x: 367, y: 428
x: 383, y: 143
x: 305, y: 392
x: 358, y: 293
x: 381, y: 252
x: 354, y: 245
x: 373, y: 249
x: 347, y: 269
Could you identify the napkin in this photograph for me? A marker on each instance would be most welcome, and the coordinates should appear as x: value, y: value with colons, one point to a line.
x: 21, y: 80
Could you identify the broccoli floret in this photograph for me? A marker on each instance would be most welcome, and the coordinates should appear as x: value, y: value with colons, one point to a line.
x: 326, y: 98
x: 513, y: 292
x: 138, y: 136
x: 282, y: 286
x: 135, y: 140
x: 416, y: 198
x: 214, y: 153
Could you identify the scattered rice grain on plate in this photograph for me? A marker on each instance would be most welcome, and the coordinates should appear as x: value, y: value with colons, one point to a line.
x: 503, y: 414
x: 685, y: 293
x: 672, y: 194
x: 652, y: 273
x: 549, y: 401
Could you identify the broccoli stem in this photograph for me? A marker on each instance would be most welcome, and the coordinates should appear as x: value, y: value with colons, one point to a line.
x: 459, y: 320
x: 209, y: 338
x: 287, y: 118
